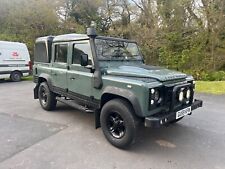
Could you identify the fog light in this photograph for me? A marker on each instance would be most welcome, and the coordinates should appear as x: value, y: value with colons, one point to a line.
x: 181, y: 96
x: 188, y: 94
x: 161, y: 122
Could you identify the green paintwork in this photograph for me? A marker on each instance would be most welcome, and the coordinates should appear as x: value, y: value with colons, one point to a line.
x: 159, y: 74
x: 132, y: 76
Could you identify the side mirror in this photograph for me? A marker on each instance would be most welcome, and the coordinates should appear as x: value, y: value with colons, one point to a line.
x: 84, y: 60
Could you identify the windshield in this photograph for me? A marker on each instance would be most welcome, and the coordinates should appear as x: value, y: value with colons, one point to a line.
x: 117, y: 50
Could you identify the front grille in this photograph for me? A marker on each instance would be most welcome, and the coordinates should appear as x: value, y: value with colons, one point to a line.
x: 170, y: 100
x: 175, y: 103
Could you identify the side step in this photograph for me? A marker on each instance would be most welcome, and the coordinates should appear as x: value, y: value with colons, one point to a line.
x: 74, y: 105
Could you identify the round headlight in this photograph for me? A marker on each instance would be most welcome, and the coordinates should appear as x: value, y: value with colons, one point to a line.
x: 181, y: 96
x: 188, y: 94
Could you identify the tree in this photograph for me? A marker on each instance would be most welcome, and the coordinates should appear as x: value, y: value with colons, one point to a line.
x: 179, y: 34
x: 38, y: 18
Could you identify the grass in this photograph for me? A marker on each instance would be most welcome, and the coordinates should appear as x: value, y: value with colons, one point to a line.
x: 211, y: 87
x: 28, y: 78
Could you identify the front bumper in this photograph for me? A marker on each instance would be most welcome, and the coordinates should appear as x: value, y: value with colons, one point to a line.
x: 163, y: 119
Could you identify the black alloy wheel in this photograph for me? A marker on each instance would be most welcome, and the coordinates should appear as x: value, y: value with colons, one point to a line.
x: 46, y: 97
x: 115, y: 124
x: 119, y: 123
x: 43, y: 95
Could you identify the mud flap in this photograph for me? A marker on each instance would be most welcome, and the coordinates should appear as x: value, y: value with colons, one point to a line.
x: 97, y: 119
x: 36, y: 92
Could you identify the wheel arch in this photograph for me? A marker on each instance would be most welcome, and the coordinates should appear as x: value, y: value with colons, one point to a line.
x: 45, y: 78
x: 42, y: 78
x: 110, y: 93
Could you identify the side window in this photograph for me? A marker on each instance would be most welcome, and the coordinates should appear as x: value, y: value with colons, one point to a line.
x: 78, y: 50
x: 61, y: 53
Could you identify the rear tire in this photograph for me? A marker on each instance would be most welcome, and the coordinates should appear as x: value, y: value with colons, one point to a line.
x: 46, y: 97
x: 16, y: 76
x: 118, y: 122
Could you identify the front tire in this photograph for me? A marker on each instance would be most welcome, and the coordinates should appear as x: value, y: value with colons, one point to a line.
x: 46, y: 97
x: 118, y: 122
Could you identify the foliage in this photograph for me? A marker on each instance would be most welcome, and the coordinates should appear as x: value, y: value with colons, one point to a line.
x: 206, y: 75
x: 186, y: 35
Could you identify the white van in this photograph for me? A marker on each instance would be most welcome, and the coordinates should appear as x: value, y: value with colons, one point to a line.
x: 14, y: 60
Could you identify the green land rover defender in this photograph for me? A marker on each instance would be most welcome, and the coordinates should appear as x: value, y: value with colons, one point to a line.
x: 107, y: 76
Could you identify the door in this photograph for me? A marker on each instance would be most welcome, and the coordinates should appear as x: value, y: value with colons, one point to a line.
x: 79, y: 78
x: 59, y: 67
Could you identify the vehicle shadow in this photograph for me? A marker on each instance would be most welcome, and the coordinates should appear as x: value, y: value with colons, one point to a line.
x: 3, y: 81
x: 170, y: 138
x: 85, y: 119
x: 149, y: 140
x: 10, y: 81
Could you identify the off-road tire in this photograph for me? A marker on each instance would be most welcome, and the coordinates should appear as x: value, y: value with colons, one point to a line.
x: 16, y: 76
x: 46, y: 97
x: 125, y: 112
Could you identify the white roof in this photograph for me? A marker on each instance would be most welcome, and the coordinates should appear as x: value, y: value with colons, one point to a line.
x: 8, y: 43
x: 69, y: 37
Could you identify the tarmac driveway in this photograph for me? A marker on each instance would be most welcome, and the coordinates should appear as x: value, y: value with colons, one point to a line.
x: 31, y: 138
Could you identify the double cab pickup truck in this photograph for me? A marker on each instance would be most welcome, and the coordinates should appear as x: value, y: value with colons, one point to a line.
x: 107, y: 76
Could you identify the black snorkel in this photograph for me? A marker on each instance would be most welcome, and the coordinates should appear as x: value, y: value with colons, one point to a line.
x: 97, y: 78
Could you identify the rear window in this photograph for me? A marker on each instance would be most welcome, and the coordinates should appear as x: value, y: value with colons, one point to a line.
x: 40, y: 53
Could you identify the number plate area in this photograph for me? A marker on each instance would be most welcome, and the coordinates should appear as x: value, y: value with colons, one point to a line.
x: 183, y: 112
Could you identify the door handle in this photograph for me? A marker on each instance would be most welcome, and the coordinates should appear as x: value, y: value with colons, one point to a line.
x: 55, y: 74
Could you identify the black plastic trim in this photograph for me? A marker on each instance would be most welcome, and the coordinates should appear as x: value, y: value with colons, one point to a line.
x: 91, y: 101
x: 163, y: 119
x: 37, y: 80
x: 47, y: 77
x: 174, y: 94
x: 127, y: 95
x: 81, y: 99
x: 97, y: 78
x: 35, y: 90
